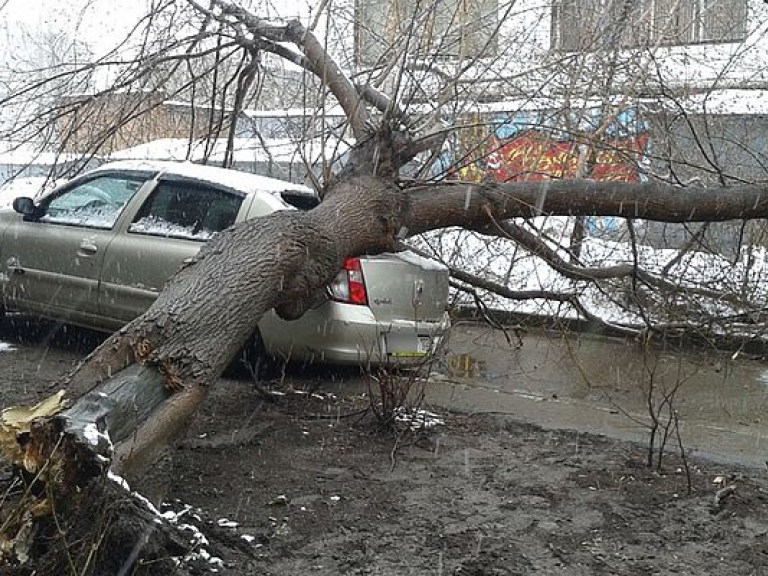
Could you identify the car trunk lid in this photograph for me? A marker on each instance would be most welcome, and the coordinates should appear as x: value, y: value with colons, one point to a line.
x: 405, y: 286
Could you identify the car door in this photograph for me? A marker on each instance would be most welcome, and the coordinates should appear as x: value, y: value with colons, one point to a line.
x: 53, y: 256
x: 173, y: 223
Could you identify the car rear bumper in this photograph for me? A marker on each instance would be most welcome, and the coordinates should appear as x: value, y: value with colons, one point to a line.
x: 350, y: 334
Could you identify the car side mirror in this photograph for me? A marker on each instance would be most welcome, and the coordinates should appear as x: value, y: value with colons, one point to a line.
x: 24, y: 205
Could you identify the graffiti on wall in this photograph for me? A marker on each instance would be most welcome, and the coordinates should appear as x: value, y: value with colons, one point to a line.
x: 530, y: 146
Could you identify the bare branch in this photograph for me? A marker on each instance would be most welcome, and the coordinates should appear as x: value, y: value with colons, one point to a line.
x: 267, y: 36
x: 504, y: 291
x: 573, y: 271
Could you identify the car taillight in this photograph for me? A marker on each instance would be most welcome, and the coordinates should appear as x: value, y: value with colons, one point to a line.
x: 349, y: 284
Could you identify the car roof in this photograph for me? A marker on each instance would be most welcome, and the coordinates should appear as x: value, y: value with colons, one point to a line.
x: 235, y: 179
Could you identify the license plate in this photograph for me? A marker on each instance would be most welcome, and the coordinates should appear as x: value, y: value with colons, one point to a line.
x: 409, y: 347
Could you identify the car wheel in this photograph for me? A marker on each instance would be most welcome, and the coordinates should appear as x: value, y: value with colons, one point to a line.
x: 252, y: 360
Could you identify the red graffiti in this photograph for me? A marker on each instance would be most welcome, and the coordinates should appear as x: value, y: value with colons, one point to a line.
x: 532, y: 156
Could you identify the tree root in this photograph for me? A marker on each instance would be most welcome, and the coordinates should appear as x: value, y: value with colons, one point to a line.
x: 107, y: 531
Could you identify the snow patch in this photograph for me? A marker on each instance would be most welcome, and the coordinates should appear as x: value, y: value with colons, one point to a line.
x: 119, y: 480
x: 493, y: 259
x: 418, y: 419
x: 159, y: 227
x: 94, y: 435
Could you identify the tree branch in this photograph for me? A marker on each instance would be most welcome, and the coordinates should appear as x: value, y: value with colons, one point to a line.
x: 267, y: 36
x: 462, y: 204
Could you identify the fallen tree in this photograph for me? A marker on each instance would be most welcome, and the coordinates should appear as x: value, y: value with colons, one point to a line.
x: 135, y: 393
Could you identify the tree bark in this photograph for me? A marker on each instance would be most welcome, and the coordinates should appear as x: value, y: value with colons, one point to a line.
x: 464, y: 205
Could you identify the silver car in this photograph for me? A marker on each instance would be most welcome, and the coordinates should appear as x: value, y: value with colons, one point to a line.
x: 97, y: 250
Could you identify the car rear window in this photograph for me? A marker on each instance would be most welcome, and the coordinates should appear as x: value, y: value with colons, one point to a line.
x: 299, y: 199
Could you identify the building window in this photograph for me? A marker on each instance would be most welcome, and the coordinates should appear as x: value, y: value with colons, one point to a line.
x: 609, y: 24
x: 426, y: 28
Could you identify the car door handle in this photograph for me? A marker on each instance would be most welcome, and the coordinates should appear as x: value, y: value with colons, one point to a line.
x: 88, y: 247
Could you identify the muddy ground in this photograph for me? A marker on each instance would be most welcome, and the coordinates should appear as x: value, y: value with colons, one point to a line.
x: 303, y: 481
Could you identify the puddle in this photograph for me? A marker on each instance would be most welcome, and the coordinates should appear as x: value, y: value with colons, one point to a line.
x: 603, y: 385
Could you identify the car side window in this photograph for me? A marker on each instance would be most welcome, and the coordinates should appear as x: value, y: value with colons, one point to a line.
x: 187, y: 211
x: 96, y: 203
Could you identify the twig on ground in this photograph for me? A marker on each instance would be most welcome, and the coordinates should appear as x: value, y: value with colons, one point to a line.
x: 720, y: 496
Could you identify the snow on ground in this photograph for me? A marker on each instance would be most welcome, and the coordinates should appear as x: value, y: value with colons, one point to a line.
x: 502, y: 262
x: 6, y: 347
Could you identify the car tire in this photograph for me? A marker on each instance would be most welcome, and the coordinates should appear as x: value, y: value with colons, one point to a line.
x: 252, y: 361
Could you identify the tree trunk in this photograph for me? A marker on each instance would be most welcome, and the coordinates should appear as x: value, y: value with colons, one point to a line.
x: 135, y: 393
x: 210, y: 308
